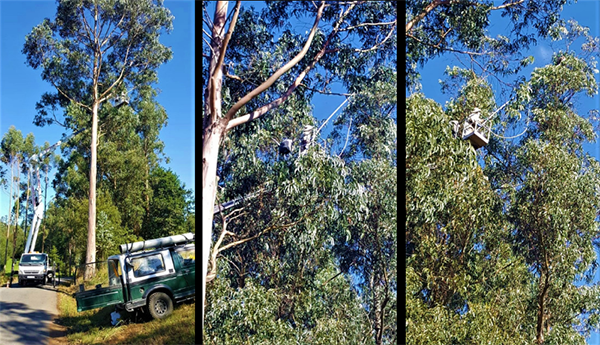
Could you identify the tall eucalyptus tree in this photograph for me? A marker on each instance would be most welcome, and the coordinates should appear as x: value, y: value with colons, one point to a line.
x: 93, y: 51
x: 250, y: 74
x: 11, y: 155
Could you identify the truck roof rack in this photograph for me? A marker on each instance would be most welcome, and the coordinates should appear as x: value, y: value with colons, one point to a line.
x: 163, y: 242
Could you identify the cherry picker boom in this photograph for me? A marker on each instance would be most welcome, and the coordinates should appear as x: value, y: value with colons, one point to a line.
x: 36, y: 195
x: 34, y: 266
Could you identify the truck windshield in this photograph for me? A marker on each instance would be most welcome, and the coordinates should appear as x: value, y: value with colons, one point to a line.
x: 33, y: 259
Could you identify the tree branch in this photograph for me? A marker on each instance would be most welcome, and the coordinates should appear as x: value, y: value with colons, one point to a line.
x: 234, y: 109
x: 232, y: 76
x: 113, y: 30
x: 225, y: 221
x: 206, y: 33
x: 120, y: 74
x: 270, y: 228
x: 86, y: 26
x: 231, y: 123
x: 207, y: 19
x: 367, y: 24
x: 426, y: 11
x: 69, y: 98
x: 208, y: 43
x: 378, y: 44
x: 228, y: 36
x: 326, y: 93
x: 506, y: 5
x: 437, y: 3
x: 332, y: 278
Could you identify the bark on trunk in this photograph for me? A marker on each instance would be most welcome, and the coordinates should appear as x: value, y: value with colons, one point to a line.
x: 211, y: 137
x: 147, y: 186
x: 43, y: 237
x: 210, y: 153
x: 27, y: 204
x: 544, y: 284
x: 91, y: 239
x: 9, y: 214
x: 18, y: 201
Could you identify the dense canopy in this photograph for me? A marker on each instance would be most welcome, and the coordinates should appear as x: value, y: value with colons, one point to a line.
x: 501, y: 240
x: 309, y: 253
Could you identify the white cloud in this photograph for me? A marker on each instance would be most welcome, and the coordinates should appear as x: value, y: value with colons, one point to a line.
x: 545, y: 52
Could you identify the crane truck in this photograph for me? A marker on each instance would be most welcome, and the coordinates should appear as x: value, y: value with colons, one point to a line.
x: 36, y: 267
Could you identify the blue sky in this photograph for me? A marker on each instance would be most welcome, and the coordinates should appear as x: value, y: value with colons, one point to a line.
x: 21, y: 86
x: 586, y: 13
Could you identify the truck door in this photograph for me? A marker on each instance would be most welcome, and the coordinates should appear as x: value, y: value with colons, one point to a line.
x: 103, y: 296
x: 186, y: 258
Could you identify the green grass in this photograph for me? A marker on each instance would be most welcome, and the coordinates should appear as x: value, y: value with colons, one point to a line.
x: 4, y: 276
x: 93, y: 326
x: 100, y: 277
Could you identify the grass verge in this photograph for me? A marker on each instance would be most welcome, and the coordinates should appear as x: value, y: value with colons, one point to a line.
x: 93, y: 326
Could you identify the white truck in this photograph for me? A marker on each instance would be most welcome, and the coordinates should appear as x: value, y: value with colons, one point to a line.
x: 35, y: 268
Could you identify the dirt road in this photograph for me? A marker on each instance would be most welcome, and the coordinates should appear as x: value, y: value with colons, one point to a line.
x: 26, y: 314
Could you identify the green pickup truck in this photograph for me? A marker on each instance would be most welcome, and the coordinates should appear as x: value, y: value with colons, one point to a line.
x: 147, y: 275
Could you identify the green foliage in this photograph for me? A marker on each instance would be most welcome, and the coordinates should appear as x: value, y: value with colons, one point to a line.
x: 256, y: 314
x: 77, y: 59
x: 504, y: 253
x: 68, y: 224
x: 460, y: 268
x: 282, y: 271
x: 168, y: 207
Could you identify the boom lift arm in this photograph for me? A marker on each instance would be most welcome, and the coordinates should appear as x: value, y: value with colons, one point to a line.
x: 36, y: 194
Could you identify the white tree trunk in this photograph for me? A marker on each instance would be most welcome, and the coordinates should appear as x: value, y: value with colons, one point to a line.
x: 91, y: 239
x: 210, y: 153
x: 213, y: 129
x: 9, y: 211
x: 215, y: 125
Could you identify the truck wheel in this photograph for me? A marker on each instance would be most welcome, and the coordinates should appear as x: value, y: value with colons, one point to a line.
x: 160, y: 305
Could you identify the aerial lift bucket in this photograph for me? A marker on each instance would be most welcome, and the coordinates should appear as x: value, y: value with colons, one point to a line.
x: 474, y: 130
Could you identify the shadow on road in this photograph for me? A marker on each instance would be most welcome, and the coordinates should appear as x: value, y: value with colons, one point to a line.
x: 23, y: 323
x: 63, y: 282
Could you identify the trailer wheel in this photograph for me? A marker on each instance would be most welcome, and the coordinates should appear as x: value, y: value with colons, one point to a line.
x: 160, y: 305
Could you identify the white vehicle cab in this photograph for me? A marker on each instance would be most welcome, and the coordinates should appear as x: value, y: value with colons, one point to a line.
x: 35, y: 268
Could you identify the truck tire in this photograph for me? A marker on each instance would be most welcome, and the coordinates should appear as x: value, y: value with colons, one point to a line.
x: 160, y: 305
